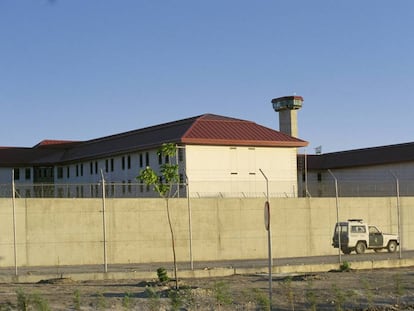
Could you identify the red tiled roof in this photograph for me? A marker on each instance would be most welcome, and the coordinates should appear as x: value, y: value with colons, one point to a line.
x: 216, y: 130
x: 206, y: 129
x: 54, y: 143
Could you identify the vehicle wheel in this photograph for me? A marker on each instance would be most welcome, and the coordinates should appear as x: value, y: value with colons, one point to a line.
x: 392, y: 246
x: 346, y: 250
x: 360, y: 248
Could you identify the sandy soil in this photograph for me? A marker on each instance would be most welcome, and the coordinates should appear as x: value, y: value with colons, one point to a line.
x: 387, y: 289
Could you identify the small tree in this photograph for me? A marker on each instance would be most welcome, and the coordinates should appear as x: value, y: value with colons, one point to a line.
x: 163, y: 185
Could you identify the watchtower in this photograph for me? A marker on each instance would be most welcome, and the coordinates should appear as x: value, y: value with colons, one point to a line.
x: 287, y: 107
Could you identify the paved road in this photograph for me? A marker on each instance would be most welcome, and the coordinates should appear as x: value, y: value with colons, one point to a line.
x: 62, y: 270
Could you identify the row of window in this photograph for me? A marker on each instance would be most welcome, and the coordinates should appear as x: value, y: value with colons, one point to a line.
x: 27, y: 173
x: 47, y: 172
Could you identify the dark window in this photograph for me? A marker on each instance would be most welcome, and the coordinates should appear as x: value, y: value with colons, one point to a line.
x: 123, y: 163
x: 181, y: 181
x: 28, y: 174
x: 146, y: 159
x: 180, y: 154
x: 16, y: 174
x: 91, y: 168
x: 106, y: 166
x: 160, y: 159
x: 319, y: 176
x: 129, y: 162
x: 68, y: 172
x: 96, y: 167
x: 112, y: 165
x: 167, y: 159
x: 81, y: 169
x: 60, y: 172
x: 77, y: 170
x: 141, y: 161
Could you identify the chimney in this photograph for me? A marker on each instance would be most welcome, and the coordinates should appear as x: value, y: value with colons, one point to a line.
x: 287, y: 107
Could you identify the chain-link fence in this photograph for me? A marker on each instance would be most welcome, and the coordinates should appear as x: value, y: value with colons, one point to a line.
x: 359, y: 188
x: 222, y: 189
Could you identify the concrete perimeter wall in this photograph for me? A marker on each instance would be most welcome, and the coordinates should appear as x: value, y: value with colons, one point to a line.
x: 70, y: 231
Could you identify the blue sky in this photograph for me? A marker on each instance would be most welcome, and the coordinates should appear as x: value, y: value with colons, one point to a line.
x: 77, y: 70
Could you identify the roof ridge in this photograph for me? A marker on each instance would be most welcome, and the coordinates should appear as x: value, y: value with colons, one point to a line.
x: 143, y: 130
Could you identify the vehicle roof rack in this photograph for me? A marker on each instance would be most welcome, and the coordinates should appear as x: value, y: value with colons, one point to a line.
x: 356, y: 219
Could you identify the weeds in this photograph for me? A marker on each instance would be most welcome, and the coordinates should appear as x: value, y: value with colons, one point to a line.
x: 154, y: 299
x: 368, y: 293
x: 40, y: 303
x: 126, y: 301
x: 101, y: 303
x: 290, y: 295
x: 222, y: 294
x: 399, y: 288
x: 22, y: 300
x: 261, y: 299
x: 311, y: 296
x: 30, y: 302
x: 176, y: 299
x: 77, y: 300
x: 339, y: 298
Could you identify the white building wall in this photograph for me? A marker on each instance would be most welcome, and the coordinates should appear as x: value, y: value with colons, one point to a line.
x: 377, y: 180
x: 234, y: 171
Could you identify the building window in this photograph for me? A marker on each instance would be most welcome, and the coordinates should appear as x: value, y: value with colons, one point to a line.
x: 16, y: 173
x: 81, y: 169
x: 96, y: 167
x: 60, y: 172
x: 319, y: 176
x: 180, y: 154
x: 182, y: 182
x: 146, y: 159
x: 106, y: 165
x: 91, y: 168
x: 123, y: 163
x: 167, y: 159
x: 141, y: 161
x: 129, y: 162
x: 28, y: 174
x: 159, y: 159
x: 112, y: 165
x: 77, y: 170
x: 68, y: 172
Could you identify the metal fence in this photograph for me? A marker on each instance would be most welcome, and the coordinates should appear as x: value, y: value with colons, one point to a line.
x: 326, y: 188
x: 359, y: 188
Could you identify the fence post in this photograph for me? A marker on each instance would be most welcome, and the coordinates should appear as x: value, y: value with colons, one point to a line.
x: 190, y: 226
x: 397, y: 186
x: 269, y: 236
x: 337, y: 214
x: 104, y: 222
x: 14, y: 223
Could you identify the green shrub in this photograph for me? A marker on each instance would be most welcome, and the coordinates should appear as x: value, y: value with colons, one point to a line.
x: 345, y: 266
x: 162, y: 275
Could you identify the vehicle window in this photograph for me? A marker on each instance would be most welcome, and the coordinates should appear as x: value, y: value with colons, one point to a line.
x: 342, y: 228
x: 373, y: 229
x: 358, y: 229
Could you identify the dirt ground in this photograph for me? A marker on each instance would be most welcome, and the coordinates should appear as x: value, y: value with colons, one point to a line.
x: 386, y: 289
